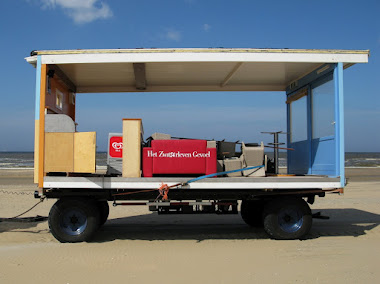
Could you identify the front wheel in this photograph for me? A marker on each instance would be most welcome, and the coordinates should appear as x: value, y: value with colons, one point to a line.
x: 251, y: 212
x: 287, y: 219
x: 74, y: 220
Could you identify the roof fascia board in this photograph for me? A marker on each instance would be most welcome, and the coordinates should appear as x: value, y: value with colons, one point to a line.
x: 203, y: 57
x: 197, y: 50
x: 32, y: 60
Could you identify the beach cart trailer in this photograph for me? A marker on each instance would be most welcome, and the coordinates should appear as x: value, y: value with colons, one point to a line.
x: 189, y: 176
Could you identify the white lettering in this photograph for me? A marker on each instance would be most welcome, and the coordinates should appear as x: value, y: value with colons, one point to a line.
x: 201, y: 155
x: 178, y: 154
x: 152, y: 154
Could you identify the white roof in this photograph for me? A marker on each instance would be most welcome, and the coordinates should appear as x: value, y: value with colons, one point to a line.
x: 214, y: 69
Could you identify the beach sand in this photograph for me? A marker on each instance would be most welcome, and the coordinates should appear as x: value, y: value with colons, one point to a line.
x: 137, y: 246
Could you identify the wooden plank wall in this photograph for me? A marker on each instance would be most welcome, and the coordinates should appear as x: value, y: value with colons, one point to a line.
x: 59, y: 149
x: 36, y: 145
x: 70, y: 152
x: 84, y: 152
x: 132, y: 138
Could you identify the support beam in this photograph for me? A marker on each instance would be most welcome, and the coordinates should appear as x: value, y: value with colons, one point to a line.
x: 37, y: 119
x: 140, y: 76
x: 55, y: 70
x: 339, y: 122
x: 229, y: 76
x: 182, y: 88
x: 41, y: 142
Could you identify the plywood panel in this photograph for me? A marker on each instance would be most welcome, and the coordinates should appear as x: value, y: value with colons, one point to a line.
x: 36, y: 148
x: 84, y: 152
x: 132, y: 136
x: 59, y: 148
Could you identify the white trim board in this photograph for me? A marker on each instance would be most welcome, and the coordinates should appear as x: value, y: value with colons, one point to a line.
x: 202, y: 57
x: 100, y: 183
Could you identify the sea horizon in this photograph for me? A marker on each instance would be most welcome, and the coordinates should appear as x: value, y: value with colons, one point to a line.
x: 24, y: 160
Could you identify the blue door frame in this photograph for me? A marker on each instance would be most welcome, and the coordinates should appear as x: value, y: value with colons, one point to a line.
x: 323, y: 155
x: 339, y: 126
x: 322, y: 126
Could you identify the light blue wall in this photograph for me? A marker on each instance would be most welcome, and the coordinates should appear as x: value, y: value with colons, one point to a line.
x: 339, y: 118
x: 321, y: 155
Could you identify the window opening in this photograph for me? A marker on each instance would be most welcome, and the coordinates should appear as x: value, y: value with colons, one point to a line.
x: 59, y: 99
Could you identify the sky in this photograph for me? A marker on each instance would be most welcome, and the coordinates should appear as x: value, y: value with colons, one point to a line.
x: 27, y: 25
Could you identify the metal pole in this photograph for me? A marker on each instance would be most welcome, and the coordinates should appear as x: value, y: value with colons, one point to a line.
x: 275, y: 146
x: 275, y: 152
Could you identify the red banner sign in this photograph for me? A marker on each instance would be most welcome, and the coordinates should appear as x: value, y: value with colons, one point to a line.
x: 116, y: 147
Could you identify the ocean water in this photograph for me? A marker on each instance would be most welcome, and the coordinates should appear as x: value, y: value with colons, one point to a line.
x: 26, y: 160
x: 352, y: 159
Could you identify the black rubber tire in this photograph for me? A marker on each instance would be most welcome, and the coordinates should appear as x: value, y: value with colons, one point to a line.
x: 287, y: 219
x: 73, y: 220
x: 251, y: 212
x: 104, y: 211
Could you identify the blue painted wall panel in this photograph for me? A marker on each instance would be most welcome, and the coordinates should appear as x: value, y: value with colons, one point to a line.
x: 323, y: 156
x: 298, y: 160
x: 320, y: 155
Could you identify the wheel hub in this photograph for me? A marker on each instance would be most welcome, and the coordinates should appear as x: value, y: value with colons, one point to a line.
x: 74, y: 219
x: 287, y: 218
x: 290, y: 220
x: 73, y: 222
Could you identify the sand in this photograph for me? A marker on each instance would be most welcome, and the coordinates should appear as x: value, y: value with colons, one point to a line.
x: 136, y: 246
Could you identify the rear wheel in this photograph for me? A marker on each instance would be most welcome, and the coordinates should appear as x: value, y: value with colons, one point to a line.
x: 287, y: 219
x: 251, y: 212
x: 74, y: 220
x: 104, y: 211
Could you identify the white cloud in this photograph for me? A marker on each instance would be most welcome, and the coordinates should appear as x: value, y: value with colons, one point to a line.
x: 206, y: 27
x: 172, y: 34
x: 81, y: 11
